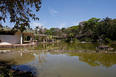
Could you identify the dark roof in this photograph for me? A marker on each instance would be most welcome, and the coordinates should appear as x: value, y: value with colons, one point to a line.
x: 28, y: 31
x: 8, y: 29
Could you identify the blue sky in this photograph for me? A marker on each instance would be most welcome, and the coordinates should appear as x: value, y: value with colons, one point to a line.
x: 66, y: 13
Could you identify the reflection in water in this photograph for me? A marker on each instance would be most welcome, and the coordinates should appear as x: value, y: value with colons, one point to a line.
x: 96, y: 59
x: 64, y: 64
x: 71, y: 46
x: 21, y: 54
x: 26, y: 68
x: 93, y: 59
x: 40, y: 57
x: 17, y: 57
x: 68, y: 64
x: 67, y: 46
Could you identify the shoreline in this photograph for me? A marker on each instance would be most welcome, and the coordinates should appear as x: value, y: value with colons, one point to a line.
x: 76, y: 51
x: 24, y: 45
x: 16, y: 45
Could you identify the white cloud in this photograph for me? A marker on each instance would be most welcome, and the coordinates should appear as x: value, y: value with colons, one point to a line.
x: 35, y: 23
x: 52, y: 11
x: 75, y: 23
x: 62, y: 25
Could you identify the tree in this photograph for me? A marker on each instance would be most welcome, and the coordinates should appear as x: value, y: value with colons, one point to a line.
x: 74, y: 30
x: 82, y: 23
x: 49, y: 37
x: 48, y: 32
x: 63, y: 29
x: 106, y: 27
x: 52, y: 30
x: 19, y: 11
x: 41, y: 30
x: 36, y: 29
x: 71, y: 35
x: 90, y: 24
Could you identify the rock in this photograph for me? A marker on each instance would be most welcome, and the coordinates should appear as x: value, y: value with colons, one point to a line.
x: 104, y: 47
x: 97, y: 51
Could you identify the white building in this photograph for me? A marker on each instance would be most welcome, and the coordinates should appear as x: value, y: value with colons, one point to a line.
x: 17, y: 37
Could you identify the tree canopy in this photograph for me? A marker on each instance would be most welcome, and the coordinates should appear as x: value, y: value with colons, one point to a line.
x: 89, y: 30
x: 19, y: 11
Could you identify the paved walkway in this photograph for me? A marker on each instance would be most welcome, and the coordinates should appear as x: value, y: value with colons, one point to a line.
x: 15, y: 45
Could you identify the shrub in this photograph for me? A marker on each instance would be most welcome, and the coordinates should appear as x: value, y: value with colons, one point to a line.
x: 87, y: 39
x: 107, y: 40
x: 75, y: 40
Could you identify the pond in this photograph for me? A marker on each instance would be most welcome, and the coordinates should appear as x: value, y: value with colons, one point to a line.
x: 63, y: 64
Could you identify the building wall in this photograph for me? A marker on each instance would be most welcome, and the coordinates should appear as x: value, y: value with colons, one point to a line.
x: 13, y: 39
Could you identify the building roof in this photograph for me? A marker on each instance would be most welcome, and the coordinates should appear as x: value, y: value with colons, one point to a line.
x: 44, y: 35
x: 5, y: 29
x: 27, y: 31
x: 41, y: 35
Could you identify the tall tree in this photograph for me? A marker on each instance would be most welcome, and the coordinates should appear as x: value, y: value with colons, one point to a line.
x: 90, y: 24
x: 36, y: 29
x: 48, y: 32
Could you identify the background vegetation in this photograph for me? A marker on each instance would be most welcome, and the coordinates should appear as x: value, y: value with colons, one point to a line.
x: 93, y: 30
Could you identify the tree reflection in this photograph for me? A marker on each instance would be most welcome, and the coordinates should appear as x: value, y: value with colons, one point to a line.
x: 41, y: 56
x: 46, y: 46
x: 97, y: 59
x: 18, y: 57
x: 78, y: 46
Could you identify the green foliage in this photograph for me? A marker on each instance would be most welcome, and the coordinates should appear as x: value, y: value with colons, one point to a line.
x: 72, y: 31
x: 106, y: 27
x: 94, y: 28
x: 11, y: 32
x: 107, y: 40
x: 19, y: 11
x: 63, y: 29
x: 48, y: 32
x: 87, y: 39
x: 90, y: 24
x: 67, y: 40
x: 52, y: 30
x: 75, y: 40
x: 89, y: 31
x: 71, y: 35
x: 36, y: 38
x: 49, y: 37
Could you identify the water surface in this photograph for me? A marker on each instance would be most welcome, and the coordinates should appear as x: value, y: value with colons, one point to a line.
x: 65, y: 64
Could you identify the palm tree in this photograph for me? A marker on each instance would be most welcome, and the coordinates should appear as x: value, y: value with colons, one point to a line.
x: 71, y: 35
x: 36, y: 29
